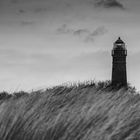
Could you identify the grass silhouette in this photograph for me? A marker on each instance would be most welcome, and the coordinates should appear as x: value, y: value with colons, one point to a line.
x: 82, y: 111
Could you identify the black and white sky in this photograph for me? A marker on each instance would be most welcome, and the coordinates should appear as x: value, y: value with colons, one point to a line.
x: 49, y: 42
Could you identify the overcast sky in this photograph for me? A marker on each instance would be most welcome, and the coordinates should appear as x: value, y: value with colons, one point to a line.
x: 49, y: 42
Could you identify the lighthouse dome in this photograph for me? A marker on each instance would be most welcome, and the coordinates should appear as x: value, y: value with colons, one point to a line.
x: 119, y: 41
x: 119, y: 45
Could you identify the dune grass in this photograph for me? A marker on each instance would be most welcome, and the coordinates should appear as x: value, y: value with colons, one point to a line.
x: 84, y: 111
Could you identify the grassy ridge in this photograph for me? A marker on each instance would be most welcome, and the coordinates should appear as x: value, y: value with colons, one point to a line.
x: 87, y: 111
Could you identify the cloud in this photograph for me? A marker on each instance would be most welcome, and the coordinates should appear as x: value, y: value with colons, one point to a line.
x: 21, y: 11
x: 14, y: 1
x: 97, y: 32
x: 84, y: 33
x: 39, y: 9
x: 35, y: 10
x: 64, y: 30
x: 26, y: 23
x: 80, y: 32
x: 109, y: 4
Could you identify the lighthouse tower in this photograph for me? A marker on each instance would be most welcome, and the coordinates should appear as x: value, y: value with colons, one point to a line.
x: 119, y: 53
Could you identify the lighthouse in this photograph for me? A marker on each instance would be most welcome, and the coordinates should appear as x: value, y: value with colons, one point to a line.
x: 119, y: 73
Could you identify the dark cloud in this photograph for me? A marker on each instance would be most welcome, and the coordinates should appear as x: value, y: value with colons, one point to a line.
x: 38, y: 6
x: 84, y: 33
x: 109, y: 4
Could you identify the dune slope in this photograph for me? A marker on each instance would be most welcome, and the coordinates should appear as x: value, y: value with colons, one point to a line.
x: 83, y: 112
